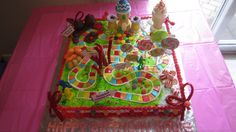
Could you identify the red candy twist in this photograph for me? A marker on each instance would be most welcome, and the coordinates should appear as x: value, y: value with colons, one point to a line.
x: 53, y: 101
x: 168, y: 79
x: 181, y: 102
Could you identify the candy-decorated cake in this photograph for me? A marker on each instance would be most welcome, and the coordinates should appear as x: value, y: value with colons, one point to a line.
x: 120, y: 66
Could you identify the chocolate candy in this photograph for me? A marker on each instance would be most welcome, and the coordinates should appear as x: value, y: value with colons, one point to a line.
x: 89, y: 21
x: 79, y: 25
x: 157, y: 52
x: 91, y: 37
x: 170, y: 43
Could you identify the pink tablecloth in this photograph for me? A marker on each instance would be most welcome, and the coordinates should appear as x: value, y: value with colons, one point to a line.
x: 29, y: 74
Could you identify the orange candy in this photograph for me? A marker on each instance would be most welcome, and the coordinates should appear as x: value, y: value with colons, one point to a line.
x: 72, y: 56
x: 71, y: 51
x: 77, y: 50
x: 118, y: 74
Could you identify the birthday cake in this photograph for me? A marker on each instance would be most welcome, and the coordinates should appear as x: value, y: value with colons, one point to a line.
x: 120, y: 66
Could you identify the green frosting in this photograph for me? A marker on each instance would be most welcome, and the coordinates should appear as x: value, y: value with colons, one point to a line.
x: 102, y: 85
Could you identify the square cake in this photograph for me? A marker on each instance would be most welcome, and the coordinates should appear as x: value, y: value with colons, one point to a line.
x: 120, y: 66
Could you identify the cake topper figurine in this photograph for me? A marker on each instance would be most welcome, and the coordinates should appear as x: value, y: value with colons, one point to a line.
x: 158, y: 16
x: 112, y: 23
x: 123, y: 9
x: 135, y: 27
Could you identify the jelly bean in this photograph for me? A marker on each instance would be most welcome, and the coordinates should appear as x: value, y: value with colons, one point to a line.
x: 118, y: 35
x: 123, y: 41
x: 118, y: 41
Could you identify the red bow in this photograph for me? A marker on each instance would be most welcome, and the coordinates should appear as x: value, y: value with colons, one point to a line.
x: 54, y: 100
x: 182, y: 101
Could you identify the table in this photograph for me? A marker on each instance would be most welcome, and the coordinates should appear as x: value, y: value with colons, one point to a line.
x: 29, y: 74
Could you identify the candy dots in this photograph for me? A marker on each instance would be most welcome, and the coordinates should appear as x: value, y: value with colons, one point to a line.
x: 73, y: 56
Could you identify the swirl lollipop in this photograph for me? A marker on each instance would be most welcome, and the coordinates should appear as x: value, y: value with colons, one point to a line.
x: 145, y: 45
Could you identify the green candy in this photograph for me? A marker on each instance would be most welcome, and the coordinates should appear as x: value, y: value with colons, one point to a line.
x: 159, y: 35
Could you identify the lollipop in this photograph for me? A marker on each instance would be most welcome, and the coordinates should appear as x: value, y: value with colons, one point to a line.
x: 170, y: 43
x: 145, y: 45
x: 159, y: 35
x: 157, y: 52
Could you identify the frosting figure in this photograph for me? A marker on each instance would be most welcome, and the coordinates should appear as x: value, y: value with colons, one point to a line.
x: 135, y: 24
x: 123, y: 9
x: 112, y: 23
x: 158, y: 16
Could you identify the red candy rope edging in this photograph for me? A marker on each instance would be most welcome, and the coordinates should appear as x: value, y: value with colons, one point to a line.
x: 63, y: 110
x: 53, y: 101
x: 182, y: 101
x: 167, y: 22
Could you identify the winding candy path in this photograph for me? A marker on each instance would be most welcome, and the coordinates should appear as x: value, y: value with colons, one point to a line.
x: 108, y: 76
x: 75, y: 82
x: 139, y: 98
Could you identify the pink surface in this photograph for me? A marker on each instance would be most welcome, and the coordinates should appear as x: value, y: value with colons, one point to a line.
x: 29, y: 74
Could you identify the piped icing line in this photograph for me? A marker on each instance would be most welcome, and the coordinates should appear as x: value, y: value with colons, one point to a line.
x: 139, y: 98
x: 92, y: 75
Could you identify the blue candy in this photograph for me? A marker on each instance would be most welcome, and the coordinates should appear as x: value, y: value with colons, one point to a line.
x: 159, y: 67
x: 154, y: 93
x: 128, y: 96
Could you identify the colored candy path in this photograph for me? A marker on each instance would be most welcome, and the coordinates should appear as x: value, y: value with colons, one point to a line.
x: 135, y: 74
x: 75, y: 82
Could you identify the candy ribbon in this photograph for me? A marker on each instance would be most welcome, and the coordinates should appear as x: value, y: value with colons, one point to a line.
x: 53, y: 101
x: 73, y: 21
x: 182, y: 101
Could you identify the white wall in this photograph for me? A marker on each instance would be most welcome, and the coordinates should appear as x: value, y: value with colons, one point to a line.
x: 15, y: 13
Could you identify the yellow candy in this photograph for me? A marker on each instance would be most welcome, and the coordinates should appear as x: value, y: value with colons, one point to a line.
x: 68, y: 93
x: 131, y: 38
x: 86, y: 94
x: 123, y: 41
x: 118, y: 35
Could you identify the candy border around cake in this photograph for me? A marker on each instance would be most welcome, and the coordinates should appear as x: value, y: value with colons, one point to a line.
x: 107, y: 111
